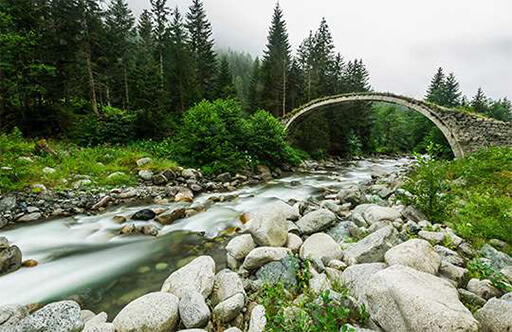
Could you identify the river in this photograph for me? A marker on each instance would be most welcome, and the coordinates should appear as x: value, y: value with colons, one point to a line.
x: 85, y: 258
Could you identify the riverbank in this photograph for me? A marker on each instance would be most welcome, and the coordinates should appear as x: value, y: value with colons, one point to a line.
x: 329, y: 260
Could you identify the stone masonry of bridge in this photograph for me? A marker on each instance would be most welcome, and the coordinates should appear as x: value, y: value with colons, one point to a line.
x: 465, y: 132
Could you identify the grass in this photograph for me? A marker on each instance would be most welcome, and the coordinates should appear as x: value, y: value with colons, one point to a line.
x: 473, y: 195
x: 71, y: 164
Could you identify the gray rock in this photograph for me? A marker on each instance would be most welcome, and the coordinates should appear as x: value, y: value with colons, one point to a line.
x: 435, y: 237
x: 415, y: 253
x: 197, y: 275
x: 10, y: 259
x: 412, y: 227
x: 30, y: 217
x: 98, y: 323
x: 413, y: 214
x: 224, y: 177
x: 263, y: 255
x: 373, y: 247
x: 268, y: 226
x: 240, y: 246
x: 194, y: 311
x: 226, y: 284
x: 449, y: 255
x: 356, y: 277
x: 143, y: 161
x: 331, y: 206
x: 352, y: 194
x: 159, y: 179
x: 258, y: 319
x: 156, y: 312
x: 145, y: 174
x: 340, y: 232
x: 4, y: 243
x: 403, y: 299
x: 169, y: 217
x: 507, y: 272
x: 459, y: 275
x: 145, y: 214
x: 82, y: 183
x: 316, y: 221
x: 294, y: 242
x: 10, y: 316
x: 495, y: 316
x: 483, y: 288
x: 320, y: 246
x: 283, y: 271
x: 228, y: 309
x: 319, y: 282
x: 63, y: 316
x: 7, y: 204
x: 375, y: 214
x: 233, y: 329
x: 498, y: 259
x: 357, y: 214
x: 470, y: 298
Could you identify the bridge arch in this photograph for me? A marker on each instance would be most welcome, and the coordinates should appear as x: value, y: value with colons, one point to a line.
x: 434, y: 113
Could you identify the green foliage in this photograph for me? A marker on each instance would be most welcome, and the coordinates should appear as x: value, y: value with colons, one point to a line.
x: 470, y: 194
x: 481, y: 270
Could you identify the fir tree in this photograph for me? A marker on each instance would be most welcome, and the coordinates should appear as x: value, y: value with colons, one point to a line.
x: 160, y: 12
x: 323, y: 56
x: 225, y: 87
x: 305, y: 60
x: 479, y: 101
x: 451, y: 93
x: 275, y: 65
x: 201, y: 45
x: 255, y: 87
x: 435, y: 91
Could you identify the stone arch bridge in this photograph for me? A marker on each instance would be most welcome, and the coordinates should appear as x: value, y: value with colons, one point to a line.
x: 465, y: 132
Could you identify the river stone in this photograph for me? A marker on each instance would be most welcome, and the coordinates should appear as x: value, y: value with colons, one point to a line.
x: 340, y: 232
x: 413, y: 214
x: 320, y: 246
x: 495, y: 316
x: 331, y: 206
x: 415, y: 253
x: 483, y: 288
x: 455, y: 273
x: 184, y: 195
x: 319, y: 283
x: 449, y: 255
x: 258, y: 319
x: 240, y: 246
x: 283, y: 271
x: 403, y: 299
x: 507, y: 272
x: 263, y: 255
x: 294, y: 242
x: 226, y: 284
x: 7, y: 204
x: 352, y: 194
x: 143, y: 161
x: 10, y: 259
x: 194, y: 311
x: 4, y: 243
x: 63, y: 316
x: 10, y: 315
x: 268, y: 226
x: 357, y: 214
x: 375, y: 214
x: 435, y: 237
x: 470, y: 298
x: 498, y: 259
x: 155, y: 312
x: 169, y: 217
x: 145, y: 174
x: 373, y: 247
x: 30, y: 217
x: 356, y: 277
x: 98, y: 323
x: 145, y: 214
x: 228, y: 309
x: 264, y: 172
x: 316, y: 221
x: 197, y: 275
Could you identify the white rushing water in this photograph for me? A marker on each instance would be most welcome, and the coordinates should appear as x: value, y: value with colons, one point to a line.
x: 82, y: 251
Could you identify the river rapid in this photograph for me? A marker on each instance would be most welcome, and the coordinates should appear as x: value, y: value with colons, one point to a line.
x: 84, y: 257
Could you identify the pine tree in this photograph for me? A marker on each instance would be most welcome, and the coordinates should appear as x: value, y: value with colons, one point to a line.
x: 451, y: 93
x: 160, y: 12
x: 480, y: 102
x: 181, y: 66
x: 120, y: 24
x: 255, y: 87
x: 437, y: 86
x: 275, y: 65
x: 323, y: 56
x: 225, y: 87
x: 201, y: 45
x: 305, y: 60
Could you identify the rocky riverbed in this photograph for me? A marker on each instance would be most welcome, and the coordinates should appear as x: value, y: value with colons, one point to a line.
x: 408, y: 274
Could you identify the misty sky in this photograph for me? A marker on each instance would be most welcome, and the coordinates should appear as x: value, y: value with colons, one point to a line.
x: 402, y: 42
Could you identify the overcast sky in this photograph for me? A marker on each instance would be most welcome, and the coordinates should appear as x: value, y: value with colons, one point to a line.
x: 402, y: 42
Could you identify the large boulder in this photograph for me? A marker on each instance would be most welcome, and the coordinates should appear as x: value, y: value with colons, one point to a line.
x: 320, y: 246
x: 495, y: 316
x: 415, y: 253
x: 375, y: 214
x: 194, y: 312
x: 227, y: 283
x: 240, y: 246
x: 316, y: 221
x: 156, y: 312
x: 400, y: 298
x: 373, y: 247
x: 263, y: 255
x: 268, y: 226
x: 10, y: 259
x: 356, y: 277
x: 10, y: 315
x: 63, y: 316
x: 197, y: 275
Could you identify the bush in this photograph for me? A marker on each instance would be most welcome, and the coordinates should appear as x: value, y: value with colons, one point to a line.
x: 218, y: 137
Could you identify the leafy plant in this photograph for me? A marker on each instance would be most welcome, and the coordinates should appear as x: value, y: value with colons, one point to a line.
x: 481, y: 270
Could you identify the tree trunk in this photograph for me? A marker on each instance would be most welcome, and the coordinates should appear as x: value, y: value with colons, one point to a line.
x: 94, y: 103
x: 161, y: 69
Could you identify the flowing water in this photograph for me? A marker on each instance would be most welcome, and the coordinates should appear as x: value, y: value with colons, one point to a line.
x: 84, y: 257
